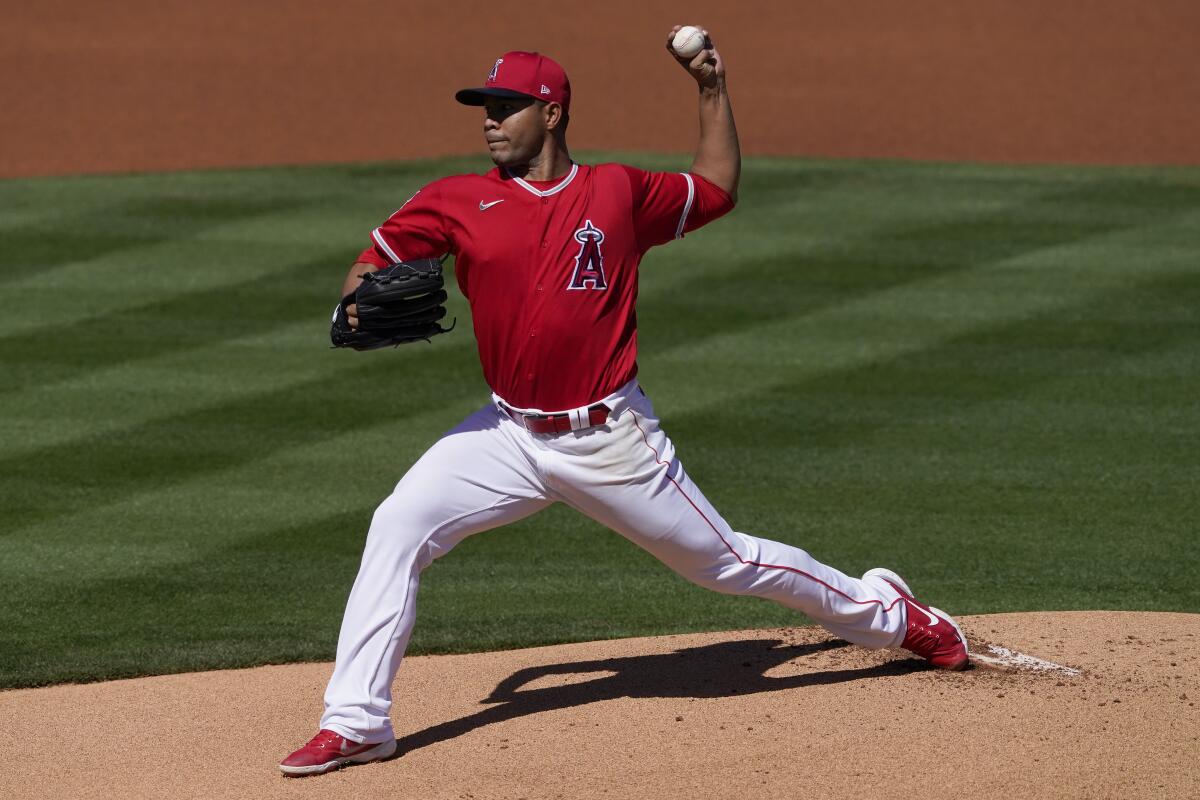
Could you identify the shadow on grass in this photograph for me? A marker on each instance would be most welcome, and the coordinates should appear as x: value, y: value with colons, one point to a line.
x: 724, y: 669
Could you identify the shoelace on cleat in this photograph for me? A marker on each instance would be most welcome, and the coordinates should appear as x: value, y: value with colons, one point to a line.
x: 325, y: 739
x: 922, y: 639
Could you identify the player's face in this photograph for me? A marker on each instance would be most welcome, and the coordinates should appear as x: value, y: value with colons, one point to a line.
x: 514, y: 128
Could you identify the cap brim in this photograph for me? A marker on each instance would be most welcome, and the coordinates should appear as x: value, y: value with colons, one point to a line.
x: 477, y: 97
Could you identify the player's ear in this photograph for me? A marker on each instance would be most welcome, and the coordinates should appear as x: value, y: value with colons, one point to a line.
x: 554, y: 116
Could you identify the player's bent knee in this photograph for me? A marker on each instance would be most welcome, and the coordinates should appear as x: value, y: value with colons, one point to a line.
x: 409, y: 510
x: 402, y: 527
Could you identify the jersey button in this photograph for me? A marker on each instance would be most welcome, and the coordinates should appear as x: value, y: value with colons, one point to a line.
x: 539, y: 287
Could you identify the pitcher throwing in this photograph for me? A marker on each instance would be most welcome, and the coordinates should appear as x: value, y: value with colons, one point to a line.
x: 547, y: 252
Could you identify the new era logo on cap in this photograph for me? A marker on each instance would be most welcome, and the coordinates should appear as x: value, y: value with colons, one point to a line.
x: 518, y: 73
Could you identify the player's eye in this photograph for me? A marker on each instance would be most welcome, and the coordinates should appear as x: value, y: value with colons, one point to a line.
x: 502, y: 111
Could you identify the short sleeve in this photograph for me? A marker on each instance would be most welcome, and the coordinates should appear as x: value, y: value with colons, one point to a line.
x: 416, y: 230
x: 666, y: 205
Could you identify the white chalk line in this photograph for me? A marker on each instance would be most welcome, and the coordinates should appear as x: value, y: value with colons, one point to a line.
x: 1003, y: 657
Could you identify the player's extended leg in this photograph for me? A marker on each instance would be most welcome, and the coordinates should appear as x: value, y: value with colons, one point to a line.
x: 473, y: 479
x: 643, y: 493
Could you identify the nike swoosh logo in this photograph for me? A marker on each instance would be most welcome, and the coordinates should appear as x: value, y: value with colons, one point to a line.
x: 485, y: 206
x: 933, y: 618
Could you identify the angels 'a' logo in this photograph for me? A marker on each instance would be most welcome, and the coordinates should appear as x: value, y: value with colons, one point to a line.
x: 495, y: 68
x: 589, y: 264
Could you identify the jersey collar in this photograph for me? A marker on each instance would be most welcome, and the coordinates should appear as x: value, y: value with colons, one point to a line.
x: 555, y: 189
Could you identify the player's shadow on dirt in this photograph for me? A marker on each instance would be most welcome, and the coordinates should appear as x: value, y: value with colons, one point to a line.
x: 719, y: 670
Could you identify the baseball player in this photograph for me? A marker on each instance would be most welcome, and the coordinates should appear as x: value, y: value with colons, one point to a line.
x: 547, y: 252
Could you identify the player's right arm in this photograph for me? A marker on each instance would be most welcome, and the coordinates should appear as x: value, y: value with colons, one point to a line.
x: 718, y: 154
x: 415, y: 230
x: 668, y: 205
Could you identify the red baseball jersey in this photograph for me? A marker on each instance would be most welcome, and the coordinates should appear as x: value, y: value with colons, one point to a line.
x: 550, y: 268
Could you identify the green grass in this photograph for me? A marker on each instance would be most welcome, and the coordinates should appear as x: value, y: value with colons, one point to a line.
x: 985, y: 377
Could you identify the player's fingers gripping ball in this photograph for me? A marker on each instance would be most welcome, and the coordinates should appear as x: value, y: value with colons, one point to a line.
x: 687, y: 42
x: 396, y: 305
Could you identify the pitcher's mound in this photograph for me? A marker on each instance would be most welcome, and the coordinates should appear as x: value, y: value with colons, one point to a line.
x: 1076, y: 704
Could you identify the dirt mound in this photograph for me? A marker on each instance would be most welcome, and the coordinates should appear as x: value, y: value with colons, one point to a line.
x: 1106, y: 708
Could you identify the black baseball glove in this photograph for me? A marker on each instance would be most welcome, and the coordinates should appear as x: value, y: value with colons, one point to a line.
x: 398, y: 304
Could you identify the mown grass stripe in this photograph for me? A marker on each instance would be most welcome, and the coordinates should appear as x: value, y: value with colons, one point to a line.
x: 108, y: 467
x: 177, y: 324
x: 983, y: 376
x: 126, y: 225
x: 179, y: 524
x: 118, y: 398
x: 907, y: 316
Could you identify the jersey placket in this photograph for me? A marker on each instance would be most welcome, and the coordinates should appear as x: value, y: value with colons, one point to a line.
x: 541, y: 254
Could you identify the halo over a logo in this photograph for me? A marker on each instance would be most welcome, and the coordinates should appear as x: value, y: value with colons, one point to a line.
x: 495, y: 68
x: 589, y: 264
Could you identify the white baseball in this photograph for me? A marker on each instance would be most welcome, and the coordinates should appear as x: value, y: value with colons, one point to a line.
x: 688, y: 41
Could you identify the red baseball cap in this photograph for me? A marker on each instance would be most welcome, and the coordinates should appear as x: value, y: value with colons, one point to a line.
x: 521, y: 74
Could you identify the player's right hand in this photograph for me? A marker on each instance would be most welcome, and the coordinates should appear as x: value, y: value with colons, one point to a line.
x: 706, y: 66
x: 352, y: 315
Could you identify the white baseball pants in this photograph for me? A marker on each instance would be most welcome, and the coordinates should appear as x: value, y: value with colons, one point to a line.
x: 489, y: 471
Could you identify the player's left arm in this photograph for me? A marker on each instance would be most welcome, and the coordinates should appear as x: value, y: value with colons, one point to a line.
x: 718, y: 155
x: 416, y: 230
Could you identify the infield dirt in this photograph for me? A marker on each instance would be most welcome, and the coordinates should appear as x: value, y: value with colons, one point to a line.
x: 152, y: 85
x: 775, y: 713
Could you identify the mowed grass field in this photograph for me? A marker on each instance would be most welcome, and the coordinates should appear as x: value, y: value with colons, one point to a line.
x: 984, y: 377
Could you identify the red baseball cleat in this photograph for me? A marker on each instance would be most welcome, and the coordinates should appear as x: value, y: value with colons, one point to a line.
x: 932, y: 634
x: 328, y: 750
